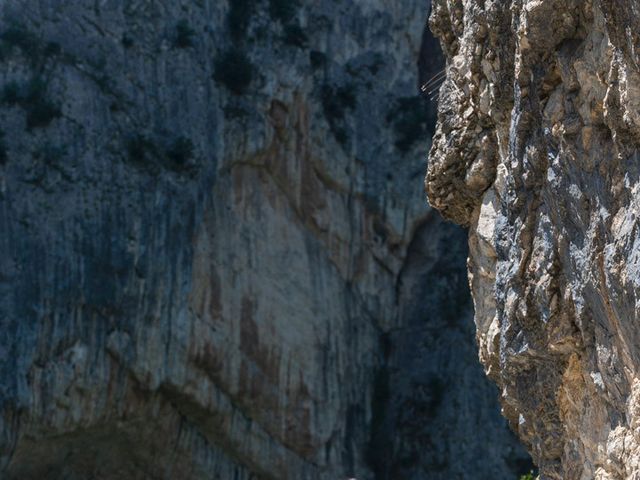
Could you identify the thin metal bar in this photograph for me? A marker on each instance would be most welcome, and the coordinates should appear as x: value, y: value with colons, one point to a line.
x: 435, y: 79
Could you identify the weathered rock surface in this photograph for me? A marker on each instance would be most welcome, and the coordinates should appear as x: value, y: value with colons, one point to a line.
x: 536, y: 150
x: 215, y: 262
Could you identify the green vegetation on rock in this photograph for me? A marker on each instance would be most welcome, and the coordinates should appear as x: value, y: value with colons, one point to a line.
x: 33, y: 99
x: 283, y: 10
x: 234, y: 70
x: 184, y: 35
x: 239, y: 16
x: 409, y: 120
x: 336, y: 101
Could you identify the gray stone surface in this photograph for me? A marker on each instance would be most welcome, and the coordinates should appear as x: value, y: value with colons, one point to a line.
x: 215, y: 257
x: 536, y: 150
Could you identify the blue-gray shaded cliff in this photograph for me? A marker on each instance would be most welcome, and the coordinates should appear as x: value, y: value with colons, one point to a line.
x: 215, y: 257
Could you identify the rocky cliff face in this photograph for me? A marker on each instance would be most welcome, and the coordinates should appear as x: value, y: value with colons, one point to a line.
x: 536, y: 151
x: 215, y: 261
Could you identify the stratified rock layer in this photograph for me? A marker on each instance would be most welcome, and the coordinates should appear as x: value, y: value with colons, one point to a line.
x: 536, y: 150
x: 215, y: 261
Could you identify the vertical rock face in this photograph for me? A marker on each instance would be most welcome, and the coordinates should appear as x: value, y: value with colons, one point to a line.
x: 536, y: 150
x: 215, y: 262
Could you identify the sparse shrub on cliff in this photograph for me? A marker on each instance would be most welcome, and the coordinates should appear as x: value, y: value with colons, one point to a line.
x: 340, y: 133
x: 379, y: 433
x: 436, y: 391
x: 283, y: 10
x: 145, y: 152
x: 127, y: 41
x: 40, y: 109
x: 180, y: 152
x: 52, y: 49
x: 19, y: 37
x: 184, y: 35
x: 409, y: 121
x: 528, y: 476
x: 336, y: 101
x: 234, y: 70
x: 235, y: 111
x: 11, y: 94
x: 294, y: 35
x: 239, y: 16
x: 317, y: 59
x: 50, y: 154
x: 140, y: 149
x: 3, y: 149
x: 33, y: 99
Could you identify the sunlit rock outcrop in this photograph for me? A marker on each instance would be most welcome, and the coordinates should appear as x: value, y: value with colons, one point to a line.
x: 536, y: 150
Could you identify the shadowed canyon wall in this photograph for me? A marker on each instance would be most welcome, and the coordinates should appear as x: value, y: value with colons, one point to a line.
x: 216, y: 261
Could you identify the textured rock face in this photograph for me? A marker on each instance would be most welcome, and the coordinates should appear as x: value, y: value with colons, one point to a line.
x: 536, y: 150
x: 215, y: 262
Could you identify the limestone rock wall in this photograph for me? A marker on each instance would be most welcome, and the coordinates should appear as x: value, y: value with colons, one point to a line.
x: 536, y: 150
x: 215, y: 257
